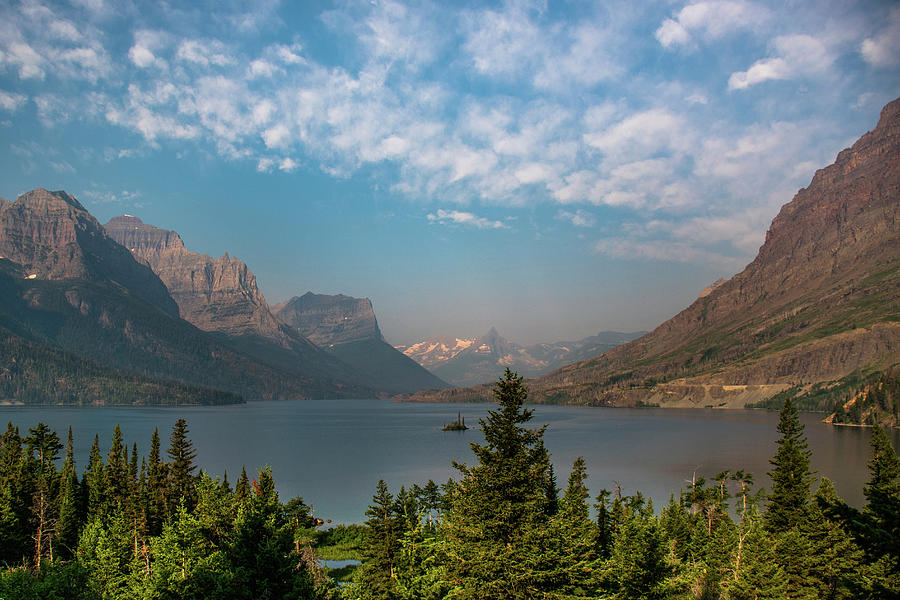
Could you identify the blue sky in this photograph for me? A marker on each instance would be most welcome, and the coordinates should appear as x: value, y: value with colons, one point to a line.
x: 549, y: 168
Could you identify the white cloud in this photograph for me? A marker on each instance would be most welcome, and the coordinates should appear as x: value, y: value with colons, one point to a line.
x: 464, y: 218
x: 797, y: 56
x: 710, y: 21
x: 641, y: 134
x: 29, y: 62
x: 287, y: 165
x: 883, y: 49
x: 204, y: 53
x: 143, y: 52
x: 665, y: 251
x: 12, y: 102
x: 579, y: 218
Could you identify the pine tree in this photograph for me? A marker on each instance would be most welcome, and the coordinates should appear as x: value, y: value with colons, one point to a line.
x: 758, y: 576
x: 242, y: 488
x: 791, y: 477
x: 43, y: 448
x: 576, y: 533
x: 181, y: 466
x: 496, y: 522
x: 93, y: 483
x: 116, y: 472
x: 69, y: 512
x: 16, y: 488
x: 375, y: 579
x: 157, y: 510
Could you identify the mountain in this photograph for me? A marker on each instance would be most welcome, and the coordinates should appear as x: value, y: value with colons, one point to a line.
x: 54, y: 238
x: 221, y: 295
x: 465, y: 362
x: 817, y: 307
x: 72, y: 294
x: 347, y: 328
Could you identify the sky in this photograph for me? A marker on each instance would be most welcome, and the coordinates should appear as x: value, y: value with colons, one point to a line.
x: 552, y: 169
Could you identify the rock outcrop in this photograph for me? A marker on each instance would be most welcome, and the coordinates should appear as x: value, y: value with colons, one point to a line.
x: 330, y: 320
x: 347, y: 328
x: 214, y: 294
x: 820, y: 301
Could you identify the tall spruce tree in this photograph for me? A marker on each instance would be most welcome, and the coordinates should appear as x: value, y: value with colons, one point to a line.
x: 93, y: 483
x: 116, y: 472
x: 69, y: 503
x: 181, y: 466
x: 496, y: 525
x: 791, y: 477
x: 43, y: 448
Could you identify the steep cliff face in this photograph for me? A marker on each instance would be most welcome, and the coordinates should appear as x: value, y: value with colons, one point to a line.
x: 347, y: 328
x: 820, y: 301
x: 214, y: 294
x: 53, y: 238
x: 330, y: 320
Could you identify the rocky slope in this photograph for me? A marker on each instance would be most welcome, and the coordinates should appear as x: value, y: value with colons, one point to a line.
x: 66, y: 286
x: 819, y: 302
x: 215, y: 294
x: 221, y: 295
x: 477, y: 360
x: 53, y: 237
x: 347, y: 328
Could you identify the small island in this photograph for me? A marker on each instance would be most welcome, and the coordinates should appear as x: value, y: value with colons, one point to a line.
x: 458, y: 425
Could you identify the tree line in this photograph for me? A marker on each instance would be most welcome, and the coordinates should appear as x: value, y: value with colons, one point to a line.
x: 161, y: 530
x: 502, y: 529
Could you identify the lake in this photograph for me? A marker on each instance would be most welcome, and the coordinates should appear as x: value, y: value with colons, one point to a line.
x: 333, y: 452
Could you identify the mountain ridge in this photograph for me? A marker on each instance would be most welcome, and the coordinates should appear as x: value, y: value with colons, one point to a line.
x: 820, y: 300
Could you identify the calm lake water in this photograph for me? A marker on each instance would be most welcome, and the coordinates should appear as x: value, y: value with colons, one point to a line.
x: 333, y: 452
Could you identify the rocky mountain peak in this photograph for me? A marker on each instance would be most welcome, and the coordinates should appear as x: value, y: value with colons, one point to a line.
x: 142, y: 238
x: 330, y: 320
x: 41, y: 200
x: 52, y: 236
x: 212, y: 294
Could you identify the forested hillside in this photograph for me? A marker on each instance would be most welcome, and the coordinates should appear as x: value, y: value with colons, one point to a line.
x: 502, y: 529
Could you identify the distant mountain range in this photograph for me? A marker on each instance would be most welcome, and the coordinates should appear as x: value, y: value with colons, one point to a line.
x: 817, y: 308
x: 470, y: 361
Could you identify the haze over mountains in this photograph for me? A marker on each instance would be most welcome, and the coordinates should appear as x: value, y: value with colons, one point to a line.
x: 471, y: 361
x: 820, y: 302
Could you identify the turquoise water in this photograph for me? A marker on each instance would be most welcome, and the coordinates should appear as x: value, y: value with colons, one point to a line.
x: 333, y: 452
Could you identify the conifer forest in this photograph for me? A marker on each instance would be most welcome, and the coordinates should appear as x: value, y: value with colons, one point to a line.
x: 155, y: 526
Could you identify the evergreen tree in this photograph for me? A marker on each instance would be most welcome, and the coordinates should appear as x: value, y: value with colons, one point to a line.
x: 834, y: 556
x: 375, y: 579
x: 93, y: 483
x: 496, y: 526
x: 69, y: 503
x: 576, y: 533
x: 43, y: 448
x: 157, y: 510
x: 181, y: 466
x: 758, y: 575
x: 876, y: 528
x: 16, y: 486
x: 791, y: 477
x: 115, y: 475
x: 242, y: 488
